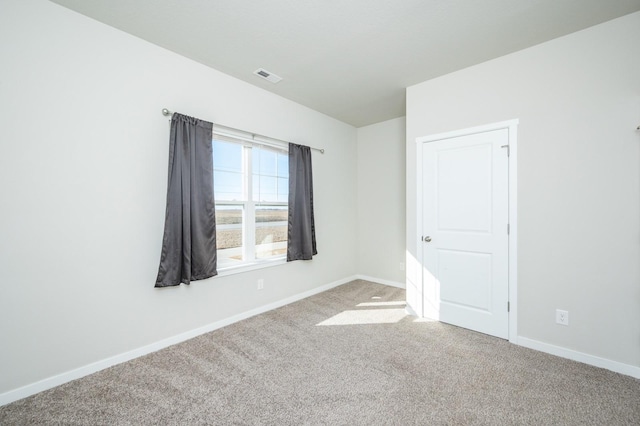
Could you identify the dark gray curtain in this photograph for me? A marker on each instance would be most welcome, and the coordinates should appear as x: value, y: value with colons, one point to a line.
x: 189, y: 242
x: 301, y: 243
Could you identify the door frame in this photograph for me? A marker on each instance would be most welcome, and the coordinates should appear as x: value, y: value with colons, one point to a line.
x: 512, y: 127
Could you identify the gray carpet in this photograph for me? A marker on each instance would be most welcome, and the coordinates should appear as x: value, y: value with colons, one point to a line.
x: 343, y: 357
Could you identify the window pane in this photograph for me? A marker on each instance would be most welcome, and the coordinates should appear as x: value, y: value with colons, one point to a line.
x: 227, y: 186
x: 227, y: 156
x: 229, y: 235
x: 271, y: 231
x: 270, y: 171
x: 264, y: 161
x: 283, y: 165
x: 266, y: 189
x: 228, y: 173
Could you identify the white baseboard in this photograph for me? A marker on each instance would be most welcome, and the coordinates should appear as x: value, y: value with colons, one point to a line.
x: 57, y: 380
x: 381, y: 281
x: 77, y: 373
x: 618, y: 367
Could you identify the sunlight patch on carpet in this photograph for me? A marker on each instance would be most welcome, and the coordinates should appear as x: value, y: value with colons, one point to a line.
x: 394, y: 303
x: 366, y: 316
x: 425, y: 320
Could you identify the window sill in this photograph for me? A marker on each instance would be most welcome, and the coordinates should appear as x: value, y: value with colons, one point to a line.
x: 259, y: 264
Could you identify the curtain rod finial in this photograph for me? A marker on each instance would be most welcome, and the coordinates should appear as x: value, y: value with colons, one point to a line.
x: 166, y: 111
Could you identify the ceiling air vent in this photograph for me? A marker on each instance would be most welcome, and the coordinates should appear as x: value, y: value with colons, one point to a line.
x: 269, y: 76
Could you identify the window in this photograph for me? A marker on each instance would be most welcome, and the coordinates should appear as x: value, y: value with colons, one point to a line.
x: 251, y: 189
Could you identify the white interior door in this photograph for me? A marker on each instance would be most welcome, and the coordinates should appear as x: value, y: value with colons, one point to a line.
x: 465, y: 237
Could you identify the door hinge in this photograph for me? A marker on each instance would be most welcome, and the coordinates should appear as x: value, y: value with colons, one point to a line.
x: 508, y: 229
x: 508, y: 149
x: 508, y: 306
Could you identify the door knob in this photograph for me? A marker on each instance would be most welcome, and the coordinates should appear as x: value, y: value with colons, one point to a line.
x: 427, y: 239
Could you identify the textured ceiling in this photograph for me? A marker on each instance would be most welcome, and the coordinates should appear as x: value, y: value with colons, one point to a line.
x: 349, y: 59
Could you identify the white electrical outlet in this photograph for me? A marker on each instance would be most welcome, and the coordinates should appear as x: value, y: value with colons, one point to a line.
x: 260, y: 284
x: 562, y: 317
x: 402, y: 266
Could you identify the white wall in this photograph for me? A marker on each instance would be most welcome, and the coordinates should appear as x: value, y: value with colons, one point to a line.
x: 578, y: 101
x: 83, y: 171
x: 381, y: 200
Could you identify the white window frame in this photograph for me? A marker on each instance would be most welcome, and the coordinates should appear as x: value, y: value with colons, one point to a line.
x: 249, y: 206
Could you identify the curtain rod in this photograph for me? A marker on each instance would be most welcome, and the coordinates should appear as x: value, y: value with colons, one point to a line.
x: 167, y: 113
